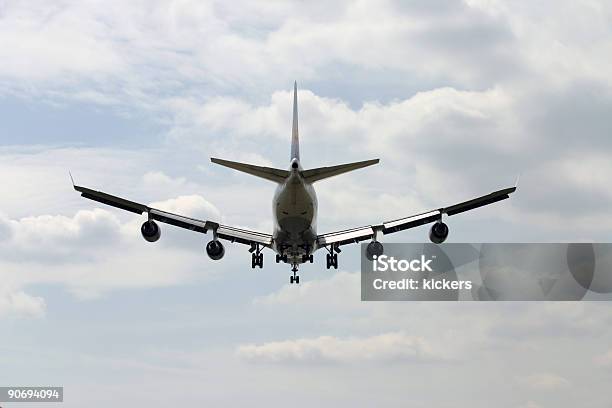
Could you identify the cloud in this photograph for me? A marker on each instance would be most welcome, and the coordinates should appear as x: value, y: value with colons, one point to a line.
x: 545, y: 381
x: 91, y: 249
x: 20, y: 304
x: 530, y: 404
x: 93, y: 252
x: 456, y: 98
x: 547, y: 320
x: 459, y: 143
x: 72, y: 45
x: 459, y: 120
x: 125, y: 54
x: 384, y: 348
x: 339, y: 291
x: 244, y: 44
x: 487, y: 93
x: 59, y: 238
x: 604, y: 360
x: 554, y: 39
x: 194, y: 206
x: 469, y: 332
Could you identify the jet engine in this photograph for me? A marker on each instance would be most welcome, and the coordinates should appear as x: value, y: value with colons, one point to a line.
x: 438, y: 232
x: 374, y: 248
x: 215, y: 250
x: 150, y: 231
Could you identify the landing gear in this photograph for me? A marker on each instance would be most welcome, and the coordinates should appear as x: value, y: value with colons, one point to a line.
x: 281, y: 258
x: 295, y: 278
x: 332, y: 261
x: 332, y: 258
x: 256, y: 256
x: 307, y: 258
x: 256, y: 260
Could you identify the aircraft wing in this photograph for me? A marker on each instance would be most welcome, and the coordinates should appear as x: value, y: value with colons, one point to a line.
x: 355, y: 235
x: 223, y: 231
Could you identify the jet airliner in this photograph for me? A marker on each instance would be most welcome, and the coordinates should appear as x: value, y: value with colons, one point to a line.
x: 294, y: 208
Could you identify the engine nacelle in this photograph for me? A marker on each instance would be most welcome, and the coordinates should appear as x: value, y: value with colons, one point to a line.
x: 438, y: 232
x: 150, y: 231
x: 374, y: 248
x: 215, y: 250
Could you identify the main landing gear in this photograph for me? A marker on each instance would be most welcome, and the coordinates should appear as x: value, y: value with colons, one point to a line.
x: 332, y: 258
x: 256, y: 256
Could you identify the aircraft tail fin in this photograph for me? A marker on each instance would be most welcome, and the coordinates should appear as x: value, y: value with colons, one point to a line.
x: 312, y: 175
x: 268, y: 173
x: 295, y: 139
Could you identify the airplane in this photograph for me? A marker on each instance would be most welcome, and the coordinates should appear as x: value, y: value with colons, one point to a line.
x: 294, y: 238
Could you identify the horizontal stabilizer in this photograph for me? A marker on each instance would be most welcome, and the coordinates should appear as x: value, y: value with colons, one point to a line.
x: 268, y: 173
x: 312, y: 175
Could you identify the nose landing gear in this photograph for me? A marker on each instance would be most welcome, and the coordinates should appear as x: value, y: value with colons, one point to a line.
x: 295, y: 278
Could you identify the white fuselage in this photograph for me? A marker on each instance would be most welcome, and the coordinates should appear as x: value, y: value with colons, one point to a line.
x: 295, y: 215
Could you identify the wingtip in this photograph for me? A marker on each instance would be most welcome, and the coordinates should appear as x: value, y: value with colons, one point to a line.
x: 518, y: 178
x: 71, y: 179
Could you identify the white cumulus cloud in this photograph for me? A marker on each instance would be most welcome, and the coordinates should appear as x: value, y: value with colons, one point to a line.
x: 545, y: 381
x: 381, y: 348
x: 20, y: 304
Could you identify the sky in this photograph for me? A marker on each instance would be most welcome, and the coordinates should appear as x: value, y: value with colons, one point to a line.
x: 457, y: 98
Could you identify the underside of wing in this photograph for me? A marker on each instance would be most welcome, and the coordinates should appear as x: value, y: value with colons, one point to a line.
x: 111, y: 200
x: 232, y: 234
x: 480, y: 201
x: 356, y: 235
x: 244, y: 236
x: 349, y: 236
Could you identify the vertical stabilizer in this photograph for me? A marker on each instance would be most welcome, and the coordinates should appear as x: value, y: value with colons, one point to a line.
x: 295, y: 139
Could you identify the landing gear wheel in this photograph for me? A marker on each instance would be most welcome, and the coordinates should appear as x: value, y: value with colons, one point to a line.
x: 307, y: 258
x: 332, y: 261
x: 256, y: 260
x: 332, y: 256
